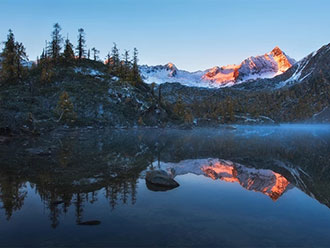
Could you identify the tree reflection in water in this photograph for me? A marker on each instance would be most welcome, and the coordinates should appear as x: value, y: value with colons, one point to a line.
x: 85, y: 163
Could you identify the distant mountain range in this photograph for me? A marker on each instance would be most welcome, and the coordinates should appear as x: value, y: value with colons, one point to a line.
x: 264, y: 66
x: 300, y: 93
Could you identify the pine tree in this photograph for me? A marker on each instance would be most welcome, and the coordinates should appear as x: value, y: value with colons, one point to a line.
x: 136, y: 78
x: 126, y: 65
x: 20, y: 57
x: 95, y: 53
x: 68, y: 53
x: 43, y: 55
x: 81, y: 43
x: 8, y: 58
x: 115, y: 59
x: 55, y: 45
x: 108, y: 59
x: 12, y: 56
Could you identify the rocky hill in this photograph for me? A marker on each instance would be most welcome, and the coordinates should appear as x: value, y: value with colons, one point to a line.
x: 84, y: 94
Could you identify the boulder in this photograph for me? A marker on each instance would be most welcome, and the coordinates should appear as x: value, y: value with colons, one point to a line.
x: 159, y: 180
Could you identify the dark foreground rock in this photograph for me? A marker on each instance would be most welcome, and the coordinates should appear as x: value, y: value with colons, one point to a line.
x: 159, y: 180
x: 90, y: 223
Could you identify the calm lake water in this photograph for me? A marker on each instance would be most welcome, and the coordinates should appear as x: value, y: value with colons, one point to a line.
x: 244, y: 187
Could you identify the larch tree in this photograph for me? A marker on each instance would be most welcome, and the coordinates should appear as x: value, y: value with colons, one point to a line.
x: 65, y: 109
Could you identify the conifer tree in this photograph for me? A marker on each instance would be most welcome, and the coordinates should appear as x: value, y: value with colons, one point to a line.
x: 8, y: 57
x: 20, y: 57
x: 108, y: 59
x: 81, y: 43
x: 126, y: 65
x: 43, y: 55
x: 65, y: 109
x: 55, y: 45
x: 68, y: 53
x: 115, y: 59
x: 95, y: 53
x: 135, y: 69
x: 12, y: 57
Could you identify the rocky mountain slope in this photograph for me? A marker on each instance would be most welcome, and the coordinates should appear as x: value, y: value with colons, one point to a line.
x: 298, y: 94
x: 264, y: 66
x: 314, y: 65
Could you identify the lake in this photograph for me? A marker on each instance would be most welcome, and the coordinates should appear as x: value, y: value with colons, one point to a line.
x: 242, y: 186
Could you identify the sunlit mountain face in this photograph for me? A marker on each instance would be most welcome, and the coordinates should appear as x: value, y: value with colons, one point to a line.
x: 263, y: 66
x: 264, y: 181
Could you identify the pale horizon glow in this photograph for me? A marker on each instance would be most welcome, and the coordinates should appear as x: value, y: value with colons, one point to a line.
x: 192, y: 34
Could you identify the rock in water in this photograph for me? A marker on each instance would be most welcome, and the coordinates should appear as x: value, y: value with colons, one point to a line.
x: 159, y: 180
x: 90, y: 223
x: 54, y: 203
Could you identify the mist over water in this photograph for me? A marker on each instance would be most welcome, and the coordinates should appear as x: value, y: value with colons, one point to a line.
x: 239, y: 186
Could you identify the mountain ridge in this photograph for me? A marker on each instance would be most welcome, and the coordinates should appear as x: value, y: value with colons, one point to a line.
x: 268, y: 65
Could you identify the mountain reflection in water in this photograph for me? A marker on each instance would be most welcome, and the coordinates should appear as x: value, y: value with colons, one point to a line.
x: 84, y: 177
x: 259, y: 180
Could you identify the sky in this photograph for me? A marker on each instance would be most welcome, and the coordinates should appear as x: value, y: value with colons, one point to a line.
x: 192, y: 34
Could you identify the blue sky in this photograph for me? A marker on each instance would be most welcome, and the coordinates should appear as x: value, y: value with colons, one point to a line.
x: 194, y: 34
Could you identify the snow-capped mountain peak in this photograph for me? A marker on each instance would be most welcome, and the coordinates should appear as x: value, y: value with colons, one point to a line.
x: 170, y: 66
x: 263, y: 66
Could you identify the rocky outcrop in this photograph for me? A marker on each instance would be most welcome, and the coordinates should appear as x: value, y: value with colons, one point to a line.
x: 159, y: 180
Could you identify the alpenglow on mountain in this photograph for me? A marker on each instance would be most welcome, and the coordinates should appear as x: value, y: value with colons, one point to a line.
x: 264, y: 66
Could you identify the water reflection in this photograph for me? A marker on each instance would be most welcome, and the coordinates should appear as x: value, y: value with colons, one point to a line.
x: 265, y: 181
x: 73, y: 169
